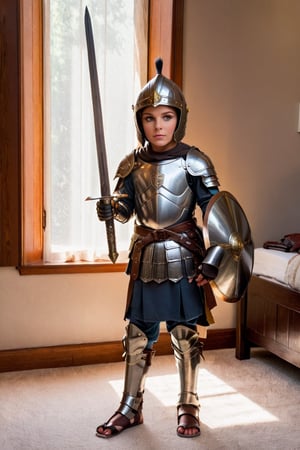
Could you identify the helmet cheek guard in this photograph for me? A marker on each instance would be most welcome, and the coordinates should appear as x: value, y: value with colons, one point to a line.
x: 161, y: 91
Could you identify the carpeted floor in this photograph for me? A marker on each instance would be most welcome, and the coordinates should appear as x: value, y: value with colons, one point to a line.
x: 252, y: 404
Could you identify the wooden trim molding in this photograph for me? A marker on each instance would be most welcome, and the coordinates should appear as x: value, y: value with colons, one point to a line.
x: 31, y: 108
x: 9, y: 134
x: 166, y: 38
x: 96, y: 353
x: 68, y: 268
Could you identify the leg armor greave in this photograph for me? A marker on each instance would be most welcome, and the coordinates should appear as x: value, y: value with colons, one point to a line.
x: 138, y: 361
x: 187, y: 350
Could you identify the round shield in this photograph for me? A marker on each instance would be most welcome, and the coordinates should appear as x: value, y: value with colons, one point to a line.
x: 225, y: 226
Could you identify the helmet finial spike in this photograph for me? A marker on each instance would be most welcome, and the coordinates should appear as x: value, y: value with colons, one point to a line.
x: 159, y: 65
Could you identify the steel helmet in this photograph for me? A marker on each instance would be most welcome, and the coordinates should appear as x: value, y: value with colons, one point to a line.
x: 161, y: 91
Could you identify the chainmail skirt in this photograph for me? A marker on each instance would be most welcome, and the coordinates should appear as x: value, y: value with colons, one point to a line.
x: 152, y: 302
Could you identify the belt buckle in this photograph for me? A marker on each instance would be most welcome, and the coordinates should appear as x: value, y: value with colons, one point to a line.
x: 160, y: 235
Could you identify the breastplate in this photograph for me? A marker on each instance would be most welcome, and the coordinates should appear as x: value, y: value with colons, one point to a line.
x: 163, y: 196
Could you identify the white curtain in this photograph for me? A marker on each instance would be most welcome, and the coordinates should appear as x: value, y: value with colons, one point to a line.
x: 73, y: 231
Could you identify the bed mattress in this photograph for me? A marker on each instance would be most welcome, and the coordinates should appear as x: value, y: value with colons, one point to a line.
x: 277, y: 266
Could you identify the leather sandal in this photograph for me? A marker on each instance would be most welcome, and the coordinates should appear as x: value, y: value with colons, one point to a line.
x: 187, y: 421
x: 121, y: 421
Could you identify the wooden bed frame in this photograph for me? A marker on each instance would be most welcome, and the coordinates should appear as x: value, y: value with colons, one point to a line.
x: 269, y: 317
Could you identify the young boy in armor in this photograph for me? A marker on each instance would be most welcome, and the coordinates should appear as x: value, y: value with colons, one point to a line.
x: 163, y: 181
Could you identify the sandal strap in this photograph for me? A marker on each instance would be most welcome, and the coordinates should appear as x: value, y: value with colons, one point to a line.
x: 193, y: 414
x: 194, y: 423
x: 123, y: 422
x: 196, y: 419
x: 112, y: 428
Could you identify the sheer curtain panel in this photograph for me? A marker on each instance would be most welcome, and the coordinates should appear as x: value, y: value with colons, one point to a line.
x: 73, y: 232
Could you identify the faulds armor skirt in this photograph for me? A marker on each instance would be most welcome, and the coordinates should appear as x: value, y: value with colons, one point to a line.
x: 179, y: 302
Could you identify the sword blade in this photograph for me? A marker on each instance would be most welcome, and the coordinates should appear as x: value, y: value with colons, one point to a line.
x: 99, y: 133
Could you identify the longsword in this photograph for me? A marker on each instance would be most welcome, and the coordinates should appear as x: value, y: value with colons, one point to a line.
x: 99, y: 134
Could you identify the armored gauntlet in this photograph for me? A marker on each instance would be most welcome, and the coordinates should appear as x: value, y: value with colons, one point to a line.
x: 105, y: 209
x: 209, y: 267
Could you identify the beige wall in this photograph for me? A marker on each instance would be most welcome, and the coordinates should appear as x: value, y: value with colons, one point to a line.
x: 43, y: 310
x: 242, y: 83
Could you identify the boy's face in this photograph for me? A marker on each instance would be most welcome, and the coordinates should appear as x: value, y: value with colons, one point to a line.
x: 159, y: 124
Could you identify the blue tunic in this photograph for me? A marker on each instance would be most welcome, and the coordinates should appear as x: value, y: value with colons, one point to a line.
x: 178, y: 302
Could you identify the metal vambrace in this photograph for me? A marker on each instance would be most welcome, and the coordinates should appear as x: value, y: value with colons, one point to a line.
x: 137, y: 361
x: 187, y: 350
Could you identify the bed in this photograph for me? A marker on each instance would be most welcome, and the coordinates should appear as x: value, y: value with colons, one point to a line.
x: 269, y: 314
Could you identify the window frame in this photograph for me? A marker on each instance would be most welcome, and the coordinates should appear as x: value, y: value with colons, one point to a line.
x: 165, y: 27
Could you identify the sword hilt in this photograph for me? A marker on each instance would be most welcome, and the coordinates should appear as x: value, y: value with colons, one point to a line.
x: 110, y: 227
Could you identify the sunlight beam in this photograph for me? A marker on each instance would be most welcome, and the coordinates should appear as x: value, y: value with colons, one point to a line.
x: 221, y: 405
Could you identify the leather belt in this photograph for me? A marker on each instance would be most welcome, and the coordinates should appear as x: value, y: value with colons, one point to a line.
x: 190, y: 240
x: 184, y: 233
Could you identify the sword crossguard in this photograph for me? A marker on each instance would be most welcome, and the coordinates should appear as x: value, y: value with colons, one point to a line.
x: 107, y: 197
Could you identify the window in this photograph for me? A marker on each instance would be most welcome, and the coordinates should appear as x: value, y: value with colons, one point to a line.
x: 73, y: 232
x: 164, y: 39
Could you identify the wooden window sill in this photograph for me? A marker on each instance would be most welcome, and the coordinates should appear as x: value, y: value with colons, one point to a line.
x: 41, y: 268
